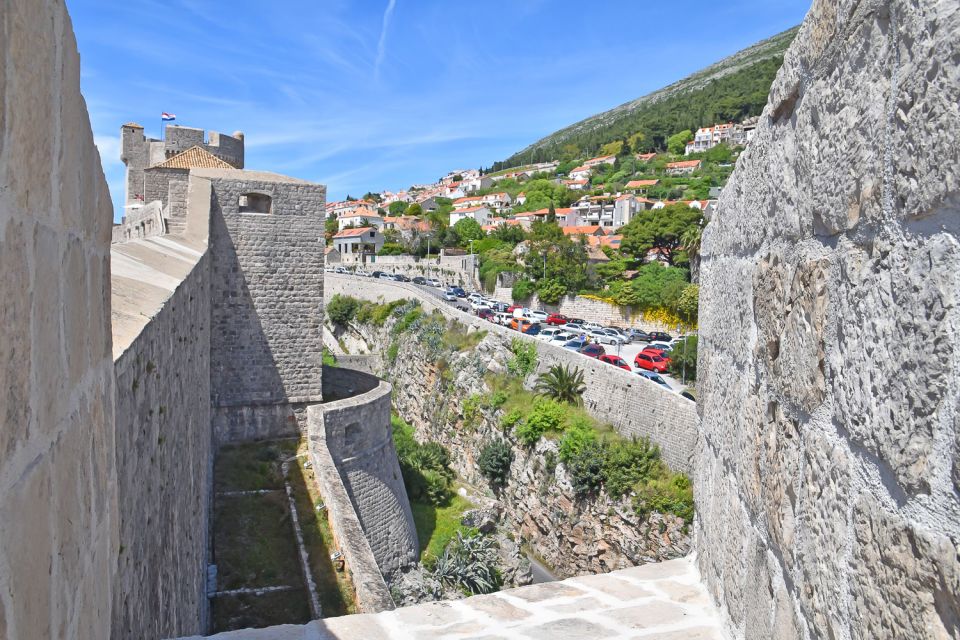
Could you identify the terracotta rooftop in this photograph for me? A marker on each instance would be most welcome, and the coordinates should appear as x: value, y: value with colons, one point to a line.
x: 194, y: 158
x: 352, y: 233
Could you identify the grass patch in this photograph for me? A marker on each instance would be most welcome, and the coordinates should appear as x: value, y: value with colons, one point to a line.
x: 249, y: 611
x: 250, y: 467
x: 437, y: 525
x: 334, y: 588
x: 253, y: 542
x: 458, y: 337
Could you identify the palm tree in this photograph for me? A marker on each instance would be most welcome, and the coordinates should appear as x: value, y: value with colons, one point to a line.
x: 562, y: 384
x: 690, y: 240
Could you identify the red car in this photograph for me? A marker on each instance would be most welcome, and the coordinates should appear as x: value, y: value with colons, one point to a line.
x: 592, y: 350
x: 655, y: 351
x: 486, y: 314
x: 557, y: 319
x: 651, y: 362
x: 513, y: 308
x: 616, y: 361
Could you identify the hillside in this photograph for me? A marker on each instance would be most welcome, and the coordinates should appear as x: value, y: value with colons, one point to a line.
x: 732, y: 89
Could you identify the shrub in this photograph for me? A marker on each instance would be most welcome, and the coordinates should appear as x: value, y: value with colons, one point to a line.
x: 524, y: 360
x: 408, y: 320
x: 550, y: 290
x: 577, y: 437
x: 522, y: 289
x: 470, y: 564
x: 497, y: 399
x: 342, y: 309
x: 494, y: 461
x: 425, y: 467
x: 668, y: 494
x: 562, y: 384
x: 393, y: 351
x: 329, y: 359
x: 511, y: 419
x: 683, y: 358
x: 471, y: 410
x: 586, y: 467
x: 546, y: 415
x: 628, y: 462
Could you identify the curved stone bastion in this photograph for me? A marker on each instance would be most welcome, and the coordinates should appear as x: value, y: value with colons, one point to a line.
x: 352, y: 449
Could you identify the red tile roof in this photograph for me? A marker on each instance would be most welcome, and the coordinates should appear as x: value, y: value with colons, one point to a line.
x: 684, y: 164
x: 637, y: 184
x: 587, y: 230
x: 352, y: 233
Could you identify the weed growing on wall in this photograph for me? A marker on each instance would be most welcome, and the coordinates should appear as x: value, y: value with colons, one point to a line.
x: 524, y: 360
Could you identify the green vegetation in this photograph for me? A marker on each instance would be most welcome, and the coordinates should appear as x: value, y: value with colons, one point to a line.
x: 438, y: 524
x: 562, y: 384
x: 329, y: 359
x: 425, y: 467
x: 709, y: 96
x: 469, y: 563
x: 342, y: 309
x: 494, y: 462
x: 546, y: 416
x: 683, y: 359
x: 661, y: 230
x: 524, y: 359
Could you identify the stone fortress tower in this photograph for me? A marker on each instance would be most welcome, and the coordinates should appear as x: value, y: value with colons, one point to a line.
x: 139, y: 152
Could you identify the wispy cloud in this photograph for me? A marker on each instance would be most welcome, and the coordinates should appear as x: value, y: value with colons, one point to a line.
x: 382, y: 42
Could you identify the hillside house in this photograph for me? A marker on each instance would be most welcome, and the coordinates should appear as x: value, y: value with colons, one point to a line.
x: 684, y: 167
x: 360, y: 218
x: 331, y: 255
x: 596, y: 162
x: 584, y: 231
x: 521, y: 199
x: 645, y: 157
x: 481, y: 215
x: 575, y: 185
x: 640, y: 186
x: 496, y: 201
x: 580, y: 173
x: 363, y: 241
x: 476, y: 183
x: 467, y: 202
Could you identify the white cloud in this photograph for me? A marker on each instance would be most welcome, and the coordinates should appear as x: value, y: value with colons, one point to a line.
x: 382, y: 43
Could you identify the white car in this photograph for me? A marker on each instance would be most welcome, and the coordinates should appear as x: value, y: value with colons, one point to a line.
x: 430, y: 282
x: 562, y: 336
x: 360, y: 272
x: 548, y: 335
x: 592, y: 326
x: 476, y: 305
x: 602, y: 338
x: 539, y: 316
x: 449, y: 296
x: 502, y: 318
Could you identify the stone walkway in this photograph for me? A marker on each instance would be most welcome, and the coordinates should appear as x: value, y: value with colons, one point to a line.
x: 663, y: 601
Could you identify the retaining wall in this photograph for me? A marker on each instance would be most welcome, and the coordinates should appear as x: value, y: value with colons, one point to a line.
x: 633, y: 405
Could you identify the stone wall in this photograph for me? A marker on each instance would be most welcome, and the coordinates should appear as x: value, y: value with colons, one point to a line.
x: 358, y: 435
x: 635, y: 406
x: 267, y: 303
x: 164, y: 476
x: 145, y: 222
x: 827, y: 486
x: 458, y: 270
x: 58, y: 483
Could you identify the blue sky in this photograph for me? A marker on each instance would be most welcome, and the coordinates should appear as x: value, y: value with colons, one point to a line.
x: 380, y: 94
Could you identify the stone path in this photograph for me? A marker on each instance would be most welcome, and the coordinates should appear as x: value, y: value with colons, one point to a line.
x: 663, y: 601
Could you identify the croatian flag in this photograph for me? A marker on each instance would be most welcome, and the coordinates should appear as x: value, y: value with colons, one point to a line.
x: 166, y: 117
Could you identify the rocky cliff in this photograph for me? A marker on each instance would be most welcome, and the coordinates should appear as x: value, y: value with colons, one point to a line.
x: 827, y: 485
x: 538, y: 504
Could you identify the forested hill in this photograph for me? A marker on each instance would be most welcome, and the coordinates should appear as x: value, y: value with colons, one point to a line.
x: 730, y: 90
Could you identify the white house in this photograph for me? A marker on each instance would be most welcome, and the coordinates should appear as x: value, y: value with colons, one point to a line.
x: 576, y: 185
x: 467, y: 202
x: 365, y: 219
x: 496, y: 201
x: 361, y: 241
x: 580, y: 173
x: 476, y: 183
x: 596, y: 162
x: 482, y: 215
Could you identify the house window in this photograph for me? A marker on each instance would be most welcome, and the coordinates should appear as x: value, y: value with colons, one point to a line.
x: 255, y: 203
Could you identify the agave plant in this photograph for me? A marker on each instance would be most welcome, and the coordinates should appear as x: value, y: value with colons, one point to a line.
x: 469, y: 563
x: 562, y: 384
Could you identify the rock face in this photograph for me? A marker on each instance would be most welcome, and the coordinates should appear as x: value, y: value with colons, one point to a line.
x: 828, y: 475
x: 538, y: 504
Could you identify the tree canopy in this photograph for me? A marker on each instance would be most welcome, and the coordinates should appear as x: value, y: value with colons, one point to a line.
x: 661, y: 229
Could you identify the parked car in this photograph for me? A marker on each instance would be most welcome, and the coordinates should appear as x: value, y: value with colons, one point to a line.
x: 654, y: 377
x: 376, y: 274
x: 611, y: 337
x: 573, y: 326
x: 601, y: 337
x: 485, y: 313
x: 638, y: 336
x: 383, y: 275
x: 563, y: 336
x: 616, y: 361
x: 621, y: 333
x: 341, y: 270
x: 431, y: 282
x: 556, y: 319
x: 575, y: 344
x: 539, y: 316
x: 654, y: 350
x: 650, y: 362
x: 360, y: 272
x: 593, y: 350
x: 419, y: 280
x: 329, y: 270
x: 513, y: 308
x: 502, y: 318
x: 525, y: 326
x: 479, y: 303
x: 577, y: 320
x: 660, y: 336
x: 401, y: 278
x: 592, y: 326
x: 549, y: 333
x: 499, y: 307
x: 449, y: 296
x: 459, y: 292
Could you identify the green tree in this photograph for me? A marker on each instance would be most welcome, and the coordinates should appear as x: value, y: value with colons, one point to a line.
x: 342, y: 309
x: 330, y: 227
x: 688, y: 304
x: 494, y: 462
x: 562, y: 384
x: 522, y: 289
x: 397, y: 208
x: 414, y: 210
x: 661, y: 229
x: 677, y: 143
x: 550, y: 290
x: 683, y: 358
x: 468, y: 229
